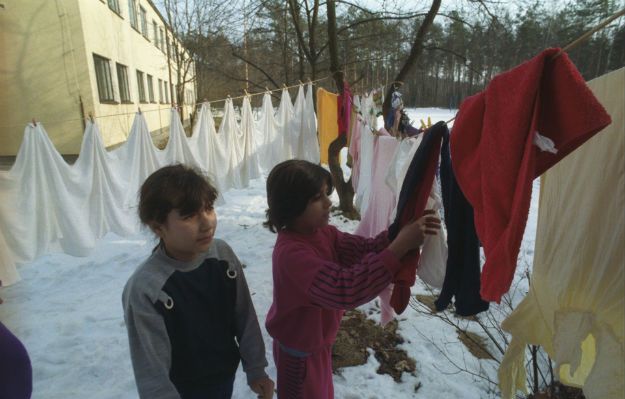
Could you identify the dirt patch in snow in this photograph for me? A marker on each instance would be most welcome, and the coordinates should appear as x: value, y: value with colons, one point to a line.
x: 357, y: 333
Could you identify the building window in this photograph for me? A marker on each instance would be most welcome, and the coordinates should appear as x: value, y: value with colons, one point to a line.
x: 166, y: 86
x: 162, y: 46
x: 103, y: 77
x: 122, y: 80
x: 144, y: 21
x: 141, y: 86
x: 160, y: 92
x: 151, y: 88
x: 114, y: 5
x: 132, y: 11
x: 155, y: 29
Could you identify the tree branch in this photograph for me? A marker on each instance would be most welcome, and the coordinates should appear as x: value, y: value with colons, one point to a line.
x: 253, y: 65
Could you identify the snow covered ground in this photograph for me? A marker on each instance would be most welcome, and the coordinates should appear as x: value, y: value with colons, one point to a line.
x: 68, y: 313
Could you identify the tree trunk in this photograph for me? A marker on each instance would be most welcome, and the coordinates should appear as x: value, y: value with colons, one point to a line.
x: 344, y: 189
x: 415, y: 52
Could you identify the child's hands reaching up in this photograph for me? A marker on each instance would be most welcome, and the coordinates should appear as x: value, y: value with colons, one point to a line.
x: 263, y: 387
x: 411, y: 236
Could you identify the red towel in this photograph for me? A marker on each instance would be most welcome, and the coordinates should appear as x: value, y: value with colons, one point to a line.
x: 344, y: 105
x: 495, y: 160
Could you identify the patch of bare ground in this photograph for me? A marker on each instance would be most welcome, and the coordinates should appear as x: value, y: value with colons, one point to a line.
x: 357, y: 333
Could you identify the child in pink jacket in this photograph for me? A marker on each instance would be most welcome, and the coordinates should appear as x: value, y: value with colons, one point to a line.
x: 318, y: 272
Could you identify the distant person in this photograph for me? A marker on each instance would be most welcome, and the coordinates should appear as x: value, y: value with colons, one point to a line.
x: 188, y: 310
x: 16, y: 374
x: 319, y: 271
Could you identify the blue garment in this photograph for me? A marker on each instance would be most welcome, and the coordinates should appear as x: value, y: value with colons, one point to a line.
x: 221, y: 390
x: 462, y: 278
x: 16, y: 375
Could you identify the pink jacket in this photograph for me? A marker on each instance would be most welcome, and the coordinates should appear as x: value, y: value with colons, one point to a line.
x: 317, y: 276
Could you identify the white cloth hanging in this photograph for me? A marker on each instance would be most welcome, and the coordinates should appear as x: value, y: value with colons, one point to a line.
x: 308, y: 140
x: 283, y: 121
x: 177, y: 149
x: 248, y: 165
x: 268, y: 135
x: 138, y: 158
x: 228, y: 136
x: 104, y: 188
x: 295, y: 133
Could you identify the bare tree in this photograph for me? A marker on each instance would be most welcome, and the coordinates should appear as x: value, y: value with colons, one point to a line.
x: 190, y: 20
x: 415, y: 52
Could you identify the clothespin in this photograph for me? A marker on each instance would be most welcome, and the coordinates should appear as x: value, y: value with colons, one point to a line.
x: 139, y: 110
x: 34, y: 121
x: 300, y: 82
x: 246, y: 93
x: 91, y: 117
x: 267, y: 89
x: 284, y: 86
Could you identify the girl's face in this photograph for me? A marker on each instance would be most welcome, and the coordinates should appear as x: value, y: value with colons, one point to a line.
x: 188, y: 236
x: 316, y: 214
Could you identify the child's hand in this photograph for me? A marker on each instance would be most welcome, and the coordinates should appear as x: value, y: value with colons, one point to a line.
x: 263, y: 387
x: 411, y: 236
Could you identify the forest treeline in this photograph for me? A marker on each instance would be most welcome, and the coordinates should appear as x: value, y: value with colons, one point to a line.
x: 282, y: 42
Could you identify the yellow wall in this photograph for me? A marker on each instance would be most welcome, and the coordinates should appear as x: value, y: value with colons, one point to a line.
x: 38, y: 75
x: 47, y: 52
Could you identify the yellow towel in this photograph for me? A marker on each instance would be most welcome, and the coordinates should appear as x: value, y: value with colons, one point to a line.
x: 327, y: 121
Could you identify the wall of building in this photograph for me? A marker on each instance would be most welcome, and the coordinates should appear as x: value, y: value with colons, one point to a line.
x: 42, y: 72
x: 48, y: 65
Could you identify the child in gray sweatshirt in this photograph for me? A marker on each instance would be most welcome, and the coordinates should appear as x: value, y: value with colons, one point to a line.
x: 187, y: 308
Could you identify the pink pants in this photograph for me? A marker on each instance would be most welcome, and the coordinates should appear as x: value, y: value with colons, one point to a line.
x: 303, y: 375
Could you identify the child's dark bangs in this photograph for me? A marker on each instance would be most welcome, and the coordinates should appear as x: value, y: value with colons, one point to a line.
x: 195, y: 195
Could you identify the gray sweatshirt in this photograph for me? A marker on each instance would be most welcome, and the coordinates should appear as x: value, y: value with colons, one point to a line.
x: 189, y: 323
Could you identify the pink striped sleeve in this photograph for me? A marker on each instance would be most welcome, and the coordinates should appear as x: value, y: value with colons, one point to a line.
x: 352, y: 248
x: 338, y: 287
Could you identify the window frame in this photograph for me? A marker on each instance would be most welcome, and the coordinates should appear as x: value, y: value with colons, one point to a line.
x: 150, y: 79
x: 161, y: 99
x: 143, y: 19
x: 123, y: 83
x: 155, y: 31
x: 104, y: 83
x: 132, y: 11
x: 114, y: 7
x: 141, y: 87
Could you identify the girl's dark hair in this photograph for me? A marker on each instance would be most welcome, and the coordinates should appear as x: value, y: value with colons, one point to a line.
x: 290, y: 186
x: 174, y: 187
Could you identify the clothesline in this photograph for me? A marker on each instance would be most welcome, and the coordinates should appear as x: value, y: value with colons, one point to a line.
x: 284, y: 86
x: 197, y: 105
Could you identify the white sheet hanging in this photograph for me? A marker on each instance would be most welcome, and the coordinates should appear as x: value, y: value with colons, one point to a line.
x: 177, y: 149
x: 308, y: 143
x: 104, y: 187
x: 228, y: 136
x: 268, y: 136
x: 283, y: 120
x: 138, y: 158
x: 210, y: 153
x: 295, y: 132
x: 48, y: 213
x: 248, y: 166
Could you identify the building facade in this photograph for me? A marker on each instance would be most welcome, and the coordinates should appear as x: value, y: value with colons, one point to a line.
x: 66, y: 60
